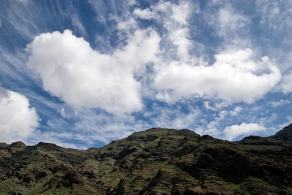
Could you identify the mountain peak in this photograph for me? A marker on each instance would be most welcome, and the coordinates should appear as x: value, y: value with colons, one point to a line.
x: 284, y: 135
x: 18, y: 144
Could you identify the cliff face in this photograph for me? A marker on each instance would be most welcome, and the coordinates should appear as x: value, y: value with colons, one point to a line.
x: 156, y: 161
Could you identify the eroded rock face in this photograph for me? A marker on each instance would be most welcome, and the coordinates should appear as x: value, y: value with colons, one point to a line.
x: 156, y: 161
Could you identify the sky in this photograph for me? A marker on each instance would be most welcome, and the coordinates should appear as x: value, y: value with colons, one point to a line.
x: 81, y: 73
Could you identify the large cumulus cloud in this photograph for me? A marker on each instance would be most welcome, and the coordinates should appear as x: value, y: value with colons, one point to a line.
x: 71, y: 70
x: 234, y: 131
x: 235, y: 76
x: 18, y: 119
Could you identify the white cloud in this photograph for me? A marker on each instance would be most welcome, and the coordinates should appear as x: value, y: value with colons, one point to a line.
x: 279, y: 103
x: 286, y: 83
x: 174, y: 19
x: 132, y: 2
x: 110, y: 78
x: 230, y: 25
x: 235, y: 76
x: 70, y: 69
x: 236, y: 111
x: 125, y: 25
x: 229, y: 21
x: 17, y: 119
x: 275, y: 16
x: 143, y: 13
x: 234, y: 131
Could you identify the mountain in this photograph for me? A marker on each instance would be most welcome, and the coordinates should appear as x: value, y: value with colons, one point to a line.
x: 155, y: 161
x: 285, y: 135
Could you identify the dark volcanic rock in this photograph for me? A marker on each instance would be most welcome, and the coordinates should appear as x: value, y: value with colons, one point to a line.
x: 156, y: 161
x: 285, y: 135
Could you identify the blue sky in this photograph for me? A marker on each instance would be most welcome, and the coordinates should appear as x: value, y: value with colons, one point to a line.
x: 80, y: 73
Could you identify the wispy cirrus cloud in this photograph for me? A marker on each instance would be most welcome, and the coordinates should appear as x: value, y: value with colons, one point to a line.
x: 130, y: 65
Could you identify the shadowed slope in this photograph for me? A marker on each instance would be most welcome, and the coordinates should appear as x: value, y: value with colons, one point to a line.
x: 285, y: 135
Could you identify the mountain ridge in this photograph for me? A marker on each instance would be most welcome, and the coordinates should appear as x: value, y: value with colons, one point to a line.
x: 155, y: 161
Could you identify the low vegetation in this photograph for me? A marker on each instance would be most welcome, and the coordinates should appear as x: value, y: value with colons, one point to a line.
x: 156, y: 161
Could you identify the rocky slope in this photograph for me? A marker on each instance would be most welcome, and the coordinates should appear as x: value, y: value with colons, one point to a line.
x: 156, y: 161
x: 285, y: 135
